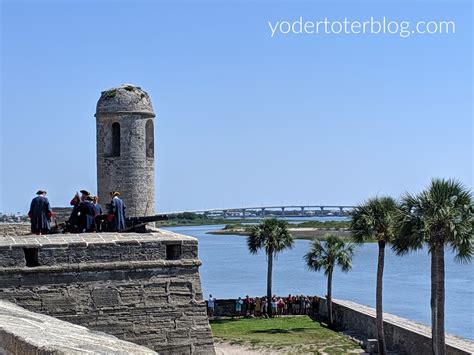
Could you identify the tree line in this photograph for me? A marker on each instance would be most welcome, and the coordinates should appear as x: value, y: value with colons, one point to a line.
x: 440, y: 216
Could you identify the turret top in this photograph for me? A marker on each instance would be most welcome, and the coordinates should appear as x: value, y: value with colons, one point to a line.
x: 126, y: 98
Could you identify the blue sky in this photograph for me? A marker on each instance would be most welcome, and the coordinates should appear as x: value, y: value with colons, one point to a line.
x: 242, y: 118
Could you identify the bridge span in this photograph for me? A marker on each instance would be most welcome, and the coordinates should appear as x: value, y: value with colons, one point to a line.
x: 278, y: 211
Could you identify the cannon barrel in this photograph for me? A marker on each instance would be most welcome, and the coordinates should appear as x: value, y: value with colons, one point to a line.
x: 146, y: 219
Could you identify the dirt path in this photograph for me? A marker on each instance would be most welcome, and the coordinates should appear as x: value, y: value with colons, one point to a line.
x: 234, y: 349
x: 223, y: 348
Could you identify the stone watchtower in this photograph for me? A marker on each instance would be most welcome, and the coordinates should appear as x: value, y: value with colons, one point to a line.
x: 125, y: 148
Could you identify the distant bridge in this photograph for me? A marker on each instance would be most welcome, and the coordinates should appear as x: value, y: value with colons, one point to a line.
x: 282, y: 211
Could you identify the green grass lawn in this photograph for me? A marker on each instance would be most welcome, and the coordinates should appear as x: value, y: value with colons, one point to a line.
x: 297, y: 334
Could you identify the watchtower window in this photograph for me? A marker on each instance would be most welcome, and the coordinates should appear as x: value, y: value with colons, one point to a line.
x: 149, y: 139
x: 173, y: 251
x: 31, y: 257
x: 116, y: 139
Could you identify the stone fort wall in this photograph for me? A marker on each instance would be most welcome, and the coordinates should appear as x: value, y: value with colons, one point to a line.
x: 143, y: 288
x: 402, y: 335
x: 11, y: 229
x: 25, y: 332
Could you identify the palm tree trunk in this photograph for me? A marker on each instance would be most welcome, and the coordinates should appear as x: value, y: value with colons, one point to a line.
x: 329, y: 298
x: 440, y: 336
x: 378, y: 300
x: 269, y: 283
x: 434, y: 305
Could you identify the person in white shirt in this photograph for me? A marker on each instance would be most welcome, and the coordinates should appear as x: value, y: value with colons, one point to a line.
x: 238, y: 306
x: 211, y: 303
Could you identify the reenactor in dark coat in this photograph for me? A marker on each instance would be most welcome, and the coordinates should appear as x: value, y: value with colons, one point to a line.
x: 74, y: 219
x: 87, y: 215
x: 40, y: 214
x: 117, y: 210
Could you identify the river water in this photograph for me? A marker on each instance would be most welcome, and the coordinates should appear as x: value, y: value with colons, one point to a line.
x: 229, y: 271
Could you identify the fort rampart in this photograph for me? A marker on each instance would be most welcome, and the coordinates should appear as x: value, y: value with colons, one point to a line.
x: 143, y: 288
x: 24, y: 332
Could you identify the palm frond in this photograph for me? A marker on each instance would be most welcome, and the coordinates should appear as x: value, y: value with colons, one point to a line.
x: 271, y: 235
x: 374, y: 219
x: 440, y: 215
x: 325, y: 255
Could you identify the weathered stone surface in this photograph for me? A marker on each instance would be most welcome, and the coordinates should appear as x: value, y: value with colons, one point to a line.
x: 130, y: 168
x: 121, y: 284
x: 401, y: 335
x: 24, y: 332
x: 14, y: 229
x: 124, y: 98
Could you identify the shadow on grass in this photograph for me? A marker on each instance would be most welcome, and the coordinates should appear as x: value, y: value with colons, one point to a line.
x: 279, y: 331
x: 223, y: 321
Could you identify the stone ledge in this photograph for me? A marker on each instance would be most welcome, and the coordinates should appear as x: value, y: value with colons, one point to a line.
x: 64, y: 240
x: 69, y: 250
x: 454, y: 343
x: 125, y: 265
x: 24, y: 332
x: 413, y: 326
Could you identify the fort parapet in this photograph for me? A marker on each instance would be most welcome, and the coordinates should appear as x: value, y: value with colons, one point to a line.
x: 143, y: 288
x: 25, y: 332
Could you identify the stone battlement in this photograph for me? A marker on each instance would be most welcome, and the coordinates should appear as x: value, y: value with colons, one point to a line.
x: 71, y: 251
x: 140, y: 287
x: 21, y: 228
x: 24, y: 332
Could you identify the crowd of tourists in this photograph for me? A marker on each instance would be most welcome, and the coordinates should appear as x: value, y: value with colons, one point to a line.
x: 87, y: 215
x: 258, y: 306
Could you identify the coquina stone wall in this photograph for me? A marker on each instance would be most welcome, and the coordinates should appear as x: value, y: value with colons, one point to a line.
x: 60, y: 215
x: 125, y: 148
x: 401, y: 335
x: 24, y: 332
x: 14, y: 229
x: 143, y: 288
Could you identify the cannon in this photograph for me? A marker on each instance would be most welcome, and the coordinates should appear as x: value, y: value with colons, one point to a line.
x: 138, y: 224
x: 134, y: 224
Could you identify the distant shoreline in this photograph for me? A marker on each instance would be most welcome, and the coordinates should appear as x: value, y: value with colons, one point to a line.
x: 297, y: 233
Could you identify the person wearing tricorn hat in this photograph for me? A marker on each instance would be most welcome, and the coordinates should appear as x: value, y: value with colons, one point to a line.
x: 84, y: 194
x: 87, y: 214
x: 117, y: 210
x: 40, y: 213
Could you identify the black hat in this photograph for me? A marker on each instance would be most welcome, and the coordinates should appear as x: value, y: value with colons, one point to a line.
x: 85, y: 192
x: 40, y: 192
x: 115, y: 193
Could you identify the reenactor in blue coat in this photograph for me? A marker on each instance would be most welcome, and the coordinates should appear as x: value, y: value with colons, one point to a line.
x: 40, y: 214
x: 117, y: 210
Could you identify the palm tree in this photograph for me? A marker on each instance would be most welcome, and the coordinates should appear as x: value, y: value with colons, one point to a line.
x: 325, y: 256
x: 375, y: 220
x: 443, y: 214
x: 273, y: 236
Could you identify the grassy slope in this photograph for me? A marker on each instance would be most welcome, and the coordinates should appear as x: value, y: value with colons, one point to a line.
x: 294, y: 334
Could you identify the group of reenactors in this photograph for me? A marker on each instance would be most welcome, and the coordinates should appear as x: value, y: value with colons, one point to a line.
x: 87, y: 215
